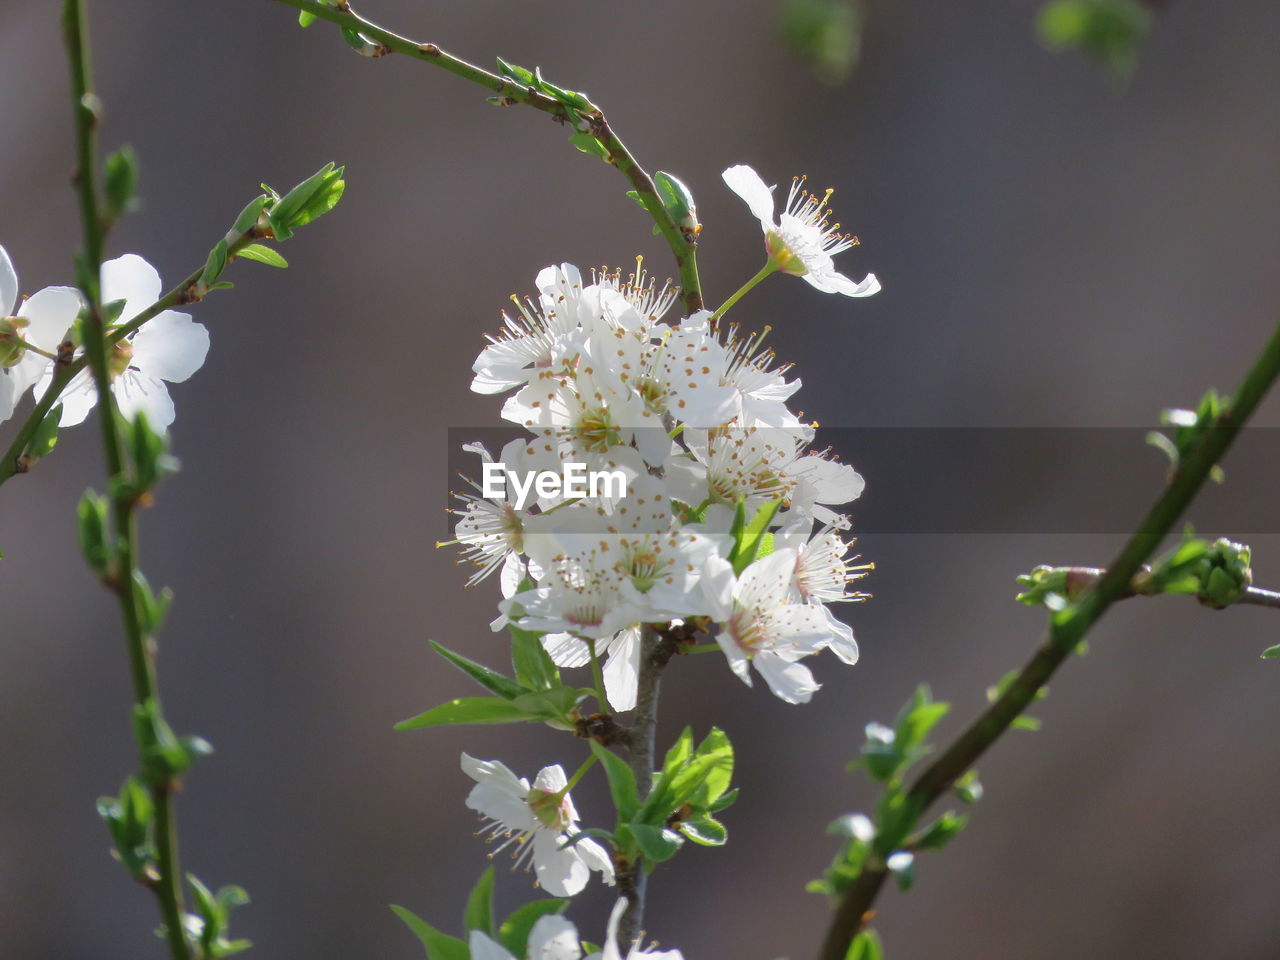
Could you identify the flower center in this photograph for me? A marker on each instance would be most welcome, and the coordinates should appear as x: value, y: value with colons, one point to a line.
x: 12, y: 341
x: 551, y: 809
x: 121, y: 357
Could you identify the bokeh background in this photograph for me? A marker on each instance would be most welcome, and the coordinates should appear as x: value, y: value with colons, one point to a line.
x: 1052, y: 255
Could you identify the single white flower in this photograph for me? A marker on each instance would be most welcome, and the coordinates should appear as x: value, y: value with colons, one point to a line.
x: 766, y: 626
x: 169, y: 348
x: 802, y: 241
x: 538, y: 820
x: 611, y: 950
x: 42, y: 321
x: 552, y: 938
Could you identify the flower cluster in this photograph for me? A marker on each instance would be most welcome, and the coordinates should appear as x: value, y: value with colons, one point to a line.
x: 662, y: 481
x: 170, y: 347
x: 692, y: 419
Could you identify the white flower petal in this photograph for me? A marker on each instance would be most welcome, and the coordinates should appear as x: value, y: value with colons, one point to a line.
x: 790, y: 682
x: 135, y: 393
x: 171, y: 346
x: 622, y: 672
x: 52, y: 311
x: 839, y: 283
x: 131, y: 279
x: 553, y: 938
x: 8, y: 284
x: 561, y: 873
x: 746, y: 183
x: 482, y: 948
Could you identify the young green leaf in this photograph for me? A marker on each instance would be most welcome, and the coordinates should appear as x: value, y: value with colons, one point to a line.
x: 263, y: 254
x: 466, y: 710
x: 439, y: 946
x: 479, y: 912
x: 491, y: 680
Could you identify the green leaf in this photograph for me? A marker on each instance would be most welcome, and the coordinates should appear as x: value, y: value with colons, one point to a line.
x: 622, y: 782
x: 656, y: 843
x: 1271, y: 652
x: 215, y: 263
x: 551, y: 705
x: 865, y: 946
x: 439, y: 946
x: 468, y: 710
x: 120, y: 183
x: 920, y: 715
x: 677, y: 199
x: 248, y: 217
x: 306, y: 18
x: 969, y: 788
x: 533, y: 666
x: 491, y: 680
x: 263, y: 254
x: 717, y: 751
x: 515, y: 930
x: 519, y: 74
x: 707, y: 831
x: 680, y: 753
x: 590, y: 145
x: 45, y: 437
x: 942, y: 831
x: 748, y: 537
x: 91, y: 516
x: 479, y: 912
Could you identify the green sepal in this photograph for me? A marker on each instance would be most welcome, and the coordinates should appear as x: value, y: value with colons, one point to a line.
x: 439, y: 946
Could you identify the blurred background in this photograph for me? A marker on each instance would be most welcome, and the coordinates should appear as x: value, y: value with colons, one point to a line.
x: 1053, y: 255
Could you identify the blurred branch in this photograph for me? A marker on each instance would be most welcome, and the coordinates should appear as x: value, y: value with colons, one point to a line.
x: 1067, y: 628
x: 123, y: 574
x: 379, y: 42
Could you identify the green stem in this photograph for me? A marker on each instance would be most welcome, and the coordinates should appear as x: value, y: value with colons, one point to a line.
x: 742, y: 291
x: 168, y: 887
x: 578, y: 774
x: 1066, y: 629
x: 597, y: 675
x: 683, y: 249
x: 13, y: 461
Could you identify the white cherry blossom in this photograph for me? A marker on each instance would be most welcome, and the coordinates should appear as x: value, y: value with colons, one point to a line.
x: 802, y: 241
x: 169, y: 348
x: 537, y: 820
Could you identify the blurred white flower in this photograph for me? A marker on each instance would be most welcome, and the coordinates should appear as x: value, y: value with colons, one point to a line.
x: 552, y: 938
x: 42, y: 321
x: 611, y: 950
x: 802, y: 241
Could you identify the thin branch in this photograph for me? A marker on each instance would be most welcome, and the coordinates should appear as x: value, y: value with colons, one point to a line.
x: 1066, y: 629
x: 683, y: 248
x: 168, y: 884
x: 1081, y: 579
